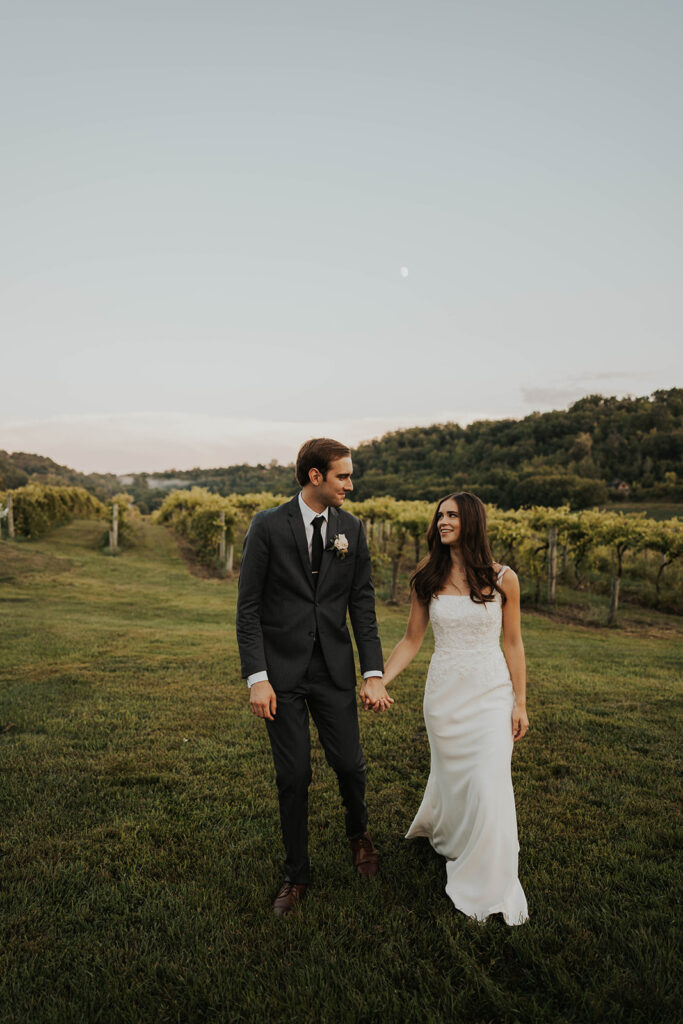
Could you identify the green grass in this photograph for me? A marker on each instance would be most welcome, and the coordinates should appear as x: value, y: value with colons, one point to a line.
x: 140, y: 846
x: 660, y: 510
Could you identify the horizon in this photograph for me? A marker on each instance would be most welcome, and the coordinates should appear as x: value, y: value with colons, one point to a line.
x: 265, y: 461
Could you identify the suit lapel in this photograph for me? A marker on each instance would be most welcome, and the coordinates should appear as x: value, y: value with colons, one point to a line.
x: 299, y: 531
x: 332, y: 531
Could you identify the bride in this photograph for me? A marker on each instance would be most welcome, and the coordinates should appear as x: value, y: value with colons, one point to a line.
x: 474, y: 708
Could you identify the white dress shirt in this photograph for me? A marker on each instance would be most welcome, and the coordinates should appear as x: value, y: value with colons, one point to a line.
x: 308, y: 515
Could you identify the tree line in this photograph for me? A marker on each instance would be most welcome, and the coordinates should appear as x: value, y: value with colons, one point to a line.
x: 599, y: 450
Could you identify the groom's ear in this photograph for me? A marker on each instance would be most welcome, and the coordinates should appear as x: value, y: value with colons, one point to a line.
x: 315, y: 477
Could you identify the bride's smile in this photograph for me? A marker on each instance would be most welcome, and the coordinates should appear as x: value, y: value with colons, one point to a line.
x: 448, y: 522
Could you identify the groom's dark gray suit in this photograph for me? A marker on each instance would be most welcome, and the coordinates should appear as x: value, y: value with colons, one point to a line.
x: 296, y: 631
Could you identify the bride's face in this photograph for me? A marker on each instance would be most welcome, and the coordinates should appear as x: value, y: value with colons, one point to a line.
x: 448, y: 522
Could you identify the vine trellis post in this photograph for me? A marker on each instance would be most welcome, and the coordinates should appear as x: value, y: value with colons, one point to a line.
x: 614, y: 600
x: 552, y: 564
x: 114, y: 532
x: 221, y: 542
x: 226, y: 549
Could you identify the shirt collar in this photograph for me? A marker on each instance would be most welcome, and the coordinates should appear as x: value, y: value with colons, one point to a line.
x: 308, y: 513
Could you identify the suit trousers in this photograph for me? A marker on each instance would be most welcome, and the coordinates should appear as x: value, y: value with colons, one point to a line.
x: 335, y: 714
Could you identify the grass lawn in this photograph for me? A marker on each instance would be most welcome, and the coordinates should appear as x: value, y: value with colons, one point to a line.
x: 653, y: 509
x: 140, y: 846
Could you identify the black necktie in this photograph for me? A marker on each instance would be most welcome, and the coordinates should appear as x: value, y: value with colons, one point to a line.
x: 317, y: 546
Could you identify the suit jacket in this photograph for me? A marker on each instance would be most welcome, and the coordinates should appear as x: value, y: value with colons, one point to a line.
x: 279, y: 609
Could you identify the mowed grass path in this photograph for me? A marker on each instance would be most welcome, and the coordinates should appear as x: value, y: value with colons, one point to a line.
x: 140, y: 845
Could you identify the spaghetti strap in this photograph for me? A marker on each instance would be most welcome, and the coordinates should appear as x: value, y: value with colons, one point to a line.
x: 503, y: 570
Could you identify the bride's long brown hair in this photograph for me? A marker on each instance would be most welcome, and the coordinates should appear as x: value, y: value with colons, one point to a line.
x: 433, y: 571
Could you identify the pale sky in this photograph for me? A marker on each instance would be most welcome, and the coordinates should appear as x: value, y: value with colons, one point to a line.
x: 208, y: 210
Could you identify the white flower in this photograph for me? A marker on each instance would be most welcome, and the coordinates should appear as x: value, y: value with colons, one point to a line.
x: 340, y: 545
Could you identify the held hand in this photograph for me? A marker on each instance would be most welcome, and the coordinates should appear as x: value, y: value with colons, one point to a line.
x: 520, y: 722
x: 374, y: 695
x: 262, y: 700
x: 363, y: 694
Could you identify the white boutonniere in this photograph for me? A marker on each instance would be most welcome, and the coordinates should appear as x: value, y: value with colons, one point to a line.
x: 339, y: 545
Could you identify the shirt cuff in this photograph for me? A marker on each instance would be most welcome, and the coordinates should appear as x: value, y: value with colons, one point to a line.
x: 372, y: 672
x: 256, y: 677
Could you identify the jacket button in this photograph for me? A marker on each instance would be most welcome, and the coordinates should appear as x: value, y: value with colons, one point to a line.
x: 312, y: 635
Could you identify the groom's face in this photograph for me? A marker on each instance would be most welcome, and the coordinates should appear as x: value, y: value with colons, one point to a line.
x: 337, y: 484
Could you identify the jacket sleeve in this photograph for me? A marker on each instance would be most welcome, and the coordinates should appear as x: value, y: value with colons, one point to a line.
x: 362, y: 609
x: 253, y: 573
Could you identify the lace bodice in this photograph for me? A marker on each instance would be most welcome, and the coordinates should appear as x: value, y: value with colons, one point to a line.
x: 467, y: 632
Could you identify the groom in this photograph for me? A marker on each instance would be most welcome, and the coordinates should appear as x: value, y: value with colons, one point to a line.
x: 304, y: 565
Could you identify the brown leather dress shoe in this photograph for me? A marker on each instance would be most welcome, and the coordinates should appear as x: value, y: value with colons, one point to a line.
x: 288, y: 898
x: 365, y: 856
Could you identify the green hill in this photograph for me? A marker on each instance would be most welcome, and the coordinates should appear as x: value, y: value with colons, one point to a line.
x: 21, y: 468
x: 598, y: 449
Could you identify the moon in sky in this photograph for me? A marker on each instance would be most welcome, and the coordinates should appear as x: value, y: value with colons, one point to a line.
x: 404, y: 271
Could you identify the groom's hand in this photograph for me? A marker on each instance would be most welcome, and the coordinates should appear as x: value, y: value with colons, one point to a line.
x: 262, y: 700
x: 374, y: 696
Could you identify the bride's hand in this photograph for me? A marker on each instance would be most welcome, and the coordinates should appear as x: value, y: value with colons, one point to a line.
x: 520, y: 722
x: 374, y: 696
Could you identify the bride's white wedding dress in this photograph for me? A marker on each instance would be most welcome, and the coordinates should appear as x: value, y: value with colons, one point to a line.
x: 468, y: 809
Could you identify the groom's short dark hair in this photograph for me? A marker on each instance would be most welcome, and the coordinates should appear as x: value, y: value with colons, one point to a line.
x: 318, y: 453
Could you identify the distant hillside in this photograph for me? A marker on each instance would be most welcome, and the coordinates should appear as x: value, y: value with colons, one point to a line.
x: 21, y: 468
x: 599, y: 450
x: 150, y: 489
